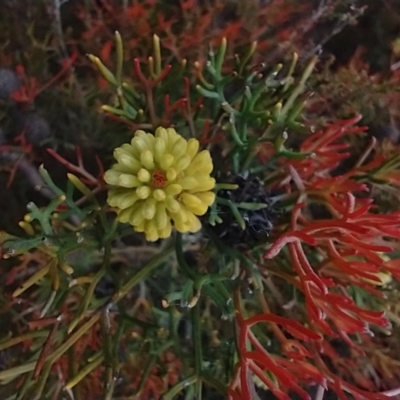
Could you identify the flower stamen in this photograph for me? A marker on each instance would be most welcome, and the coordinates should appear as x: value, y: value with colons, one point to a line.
x: 158, y: 179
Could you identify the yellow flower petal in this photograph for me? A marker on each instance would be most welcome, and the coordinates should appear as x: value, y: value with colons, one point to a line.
x: 140, y: 227
x: 207, y: 198
x: 143, y: 192
x: 140, y: 133
x: 204, y: 184
x: 129, y: 150
x: 161, y: 216
x: 148, y: 138
x: 166, y: 161
x: 114, y: 194
x: 159, y: 150
x: 120, y: 168
x: 126, y: 200
x: 182, y: 163
x: 203, y: 159
x: 190, y: 200
x: 171, y: 174
x: 192, y: 148
x: 147, y: 160
x: 139, y: 144
x: 149, y: 208
x: 188, y: 182
x: 159, y: 194
x: 172, y: 205
x: 125, y: 215
x: 151, y: 231
x: 180, y: 227
x: 172, y: 138
x: 112, y: 177
x: 137, y: 217
x: 199, y: 209
x: 173, y: 189
x: 193, y: 222
x: 128, y: 181
x: 127, y: 159
x: 179, y: 217
x: 162, y: 133
x: 179, y: 148
x: 166, y: 231
x: 144, y: 176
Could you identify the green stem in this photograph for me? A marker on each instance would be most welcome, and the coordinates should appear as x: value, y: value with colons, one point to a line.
x: 179, y: 387
x: 198, y: 354
x: 219, y: 294
x: 120, y: 57
x: 146, y: 270
x: 90, y: 291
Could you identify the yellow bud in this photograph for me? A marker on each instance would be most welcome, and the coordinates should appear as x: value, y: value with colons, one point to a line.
x: 137, y: 217
x: 172, y: 205
x: 201, y: 161
x: 172, y: 133
x: 161, y: 216
x: 159, y: 194
x: 193, y: 222
x: 190, y: 200
x: 179, y: 217
x: 151, y: 231
x: 140, y: 227
x: 147, y: 160
x: 166, y: 161
x: 130, y: 150
x: 111, y: 177
x: 204, y: 184
x: 128, y: 181
x: 199, y: 209
x: 149, y: 208
x: 126, y: 200
x: 166, y: 231
x: 182, y: 163
x: 144, y: 175
x: 159, y: 150
x: 162, y: 133
x: 139, y: 144
x: 143, y: 192
x: 27, y: 227
x: 127, y: 160
x: 383, y: 279
x: 107, y: 74
x: 173, y: 189
x: 148, y: 139
x: 113, y: 196
x: 171, y: 174
x: 121, y: 169
x: 124, y: 216
x: 207, y: 198
x: 192, y: 148
x: 188, y: 182
x: 179, y: 148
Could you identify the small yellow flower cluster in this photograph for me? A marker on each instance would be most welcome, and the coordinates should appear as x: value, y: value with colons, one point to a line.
x: 161, y: 181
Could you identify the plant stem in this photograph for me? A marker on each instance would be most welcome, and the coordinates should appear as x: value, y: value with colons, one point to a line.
x: 154, y: 263
x: 198, y: 354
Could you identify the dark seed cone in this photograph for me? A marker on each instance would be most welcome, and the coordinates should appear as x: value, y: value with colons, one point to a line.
x: 259, y: 223
x: 9, y: 83
x: 35, y: 128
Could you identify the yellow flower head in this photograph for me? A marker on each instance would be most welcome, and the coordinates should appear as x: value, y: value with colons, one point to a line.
x: 161, y: 181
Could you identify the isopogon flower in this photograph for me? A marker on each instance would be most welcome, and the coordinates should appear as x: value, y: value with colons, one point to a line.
x: 161, y: 181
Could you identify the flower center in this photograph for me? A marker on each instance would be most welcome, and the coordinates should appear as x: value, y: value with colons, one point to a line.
x: 158, y: 179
